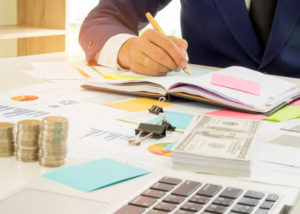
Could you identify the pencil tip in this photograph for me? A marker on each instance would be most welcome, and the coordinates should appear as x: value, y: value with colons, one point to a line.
x: 186, y: 70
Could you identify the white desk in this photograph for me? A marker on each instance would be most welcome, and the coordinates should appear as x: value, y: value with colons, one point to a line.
x: 10, y: 76
x: 14, y: 175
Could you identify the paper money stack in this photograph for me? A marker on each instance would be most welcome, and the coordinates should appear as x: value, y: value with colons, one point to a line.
x: 217, y: 145
x: 6, y: 139
x: 53, y: 148
x: 27, y: 140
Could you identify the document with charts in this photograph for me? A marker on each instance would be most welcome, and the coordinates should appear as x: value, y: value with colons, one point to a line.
x: 233, y: 87
x: 217, y: 145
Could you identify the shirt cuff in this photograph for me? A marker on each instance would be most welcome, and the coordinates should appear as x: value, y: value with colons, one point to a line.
x: 108, y: 56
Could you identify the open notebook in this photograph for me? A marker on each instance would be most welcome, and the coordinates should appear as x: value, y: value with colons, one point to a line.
x: 234, y: 87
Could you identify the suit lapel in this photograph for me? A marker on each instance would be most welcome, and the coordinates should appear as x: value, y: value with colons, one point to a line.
x: 285, y: 18
x: 236, y: 17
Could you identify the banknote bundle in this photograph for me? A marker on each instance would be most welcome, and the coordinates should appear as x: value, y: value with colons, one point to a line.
x: 53, y: 148
x: 6, y: 139
x: 27, y: 140
x: 217, y: 145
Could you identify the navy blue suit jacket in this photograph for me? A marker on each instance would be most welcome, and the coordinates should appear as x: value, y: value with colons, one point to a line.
x: 219, y: 32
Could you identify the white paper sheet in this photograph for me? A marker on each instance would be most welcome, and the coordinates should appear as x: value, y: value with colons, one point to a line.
x: 61, y: 70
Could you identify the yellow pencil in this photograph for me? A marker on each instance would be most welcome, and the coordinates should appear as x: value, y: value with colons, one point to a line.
x: 156, y: 26
x: 80, y: 71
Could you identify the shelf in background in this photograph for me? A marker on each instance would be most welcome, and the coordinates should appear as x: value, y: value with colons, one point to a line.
x: 16, y: 31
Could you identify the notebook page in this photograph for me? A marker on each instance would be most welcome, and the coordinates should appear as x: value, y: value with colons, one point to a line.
x: 150, y: 82
x: 270, y: 87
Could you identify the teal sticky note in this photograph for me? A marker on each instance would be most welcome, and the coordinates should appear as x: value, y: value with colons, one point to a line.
x: 96, y: 174
x: 177, y: 119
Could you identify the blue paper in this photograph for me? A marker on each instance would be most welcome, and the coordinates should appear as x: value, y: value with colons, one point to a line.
x: 170, y: 146
x: 177, y: 119
x: 96, y: 174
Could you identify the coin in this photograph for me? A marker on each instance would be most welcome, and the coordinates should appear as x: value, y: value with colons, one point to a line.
x: 52, y: 143
x: 6, y: 139
x: 27, y: 140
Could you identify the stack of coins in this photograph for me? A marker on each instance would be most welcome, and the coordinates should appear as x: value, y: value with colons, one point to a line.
x: 27, y: 140
x: 53, y: 148
x: 6, y: 139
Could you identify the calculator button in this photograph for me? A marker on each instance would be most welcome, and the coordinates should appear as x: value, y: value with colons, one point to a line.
x: 163, y: 206
x: 169, y: 180
x: 248, y: 201
x: 209, y: 190
x: 175, y: 199
x: 216, y: 209
x: 272, y: 197
x: 231, y: 193
x: 162, y: 187
x: 156, y: 212
x: 223, y: 201
x: 260, y: 211
x: 142, y: 201
x: 193, y: 207
x: 200, y: 199
x: 253, y: 194
x: 242, y: 209
x: 130, y: 209
x: 153, y: 193
x: 184, y: 212
x: 266, y: 205
x: 186, y: 188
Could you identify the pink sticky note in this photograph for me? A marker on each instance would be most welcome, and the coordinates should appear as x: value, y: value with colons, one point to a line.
x: 236, y: 83
x: 296, y: 102
x: 236, y: 114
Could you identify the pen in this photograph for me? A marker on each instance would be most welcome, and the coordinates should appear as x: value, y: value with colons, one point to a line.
x: 158, y: 28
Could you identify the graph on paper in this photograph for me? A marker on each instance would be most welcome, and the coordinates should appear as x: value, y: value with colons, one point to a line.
x: 105, y: 135
x: 7, y: 111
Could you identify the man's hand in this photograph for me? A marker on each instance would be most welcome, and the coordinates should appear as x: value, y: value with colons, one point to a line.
x: 153, y: 54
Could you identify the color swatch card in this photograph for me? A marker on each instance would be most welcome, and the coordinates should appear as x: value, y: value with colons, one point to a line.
x: 296, y: 102
x: 286, y: 113
x: 96, y: 174
x: 121, y: 76
x: 139, y: 104
x: 236, y: 83
x: 237, y: 114
x: 177, y: 119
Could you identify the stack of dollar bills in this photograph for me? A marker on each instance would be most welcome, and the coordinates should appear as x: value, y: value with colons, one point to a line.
x: 217, y: 145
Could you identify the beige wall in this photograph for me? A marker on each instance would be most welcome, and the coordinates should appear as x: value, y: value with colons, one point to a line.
x: 8, y: 16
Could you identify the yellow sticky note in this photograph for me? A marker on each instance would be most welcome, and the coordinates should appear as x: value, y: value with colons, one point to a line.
x: 121, y: 76
x: 135, y: 105
x: 286, y: 113
x: 113, y: 76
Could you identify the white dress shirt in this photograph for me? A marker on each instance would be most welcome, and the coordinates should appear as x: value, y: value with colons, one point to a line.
x: 108, y: 56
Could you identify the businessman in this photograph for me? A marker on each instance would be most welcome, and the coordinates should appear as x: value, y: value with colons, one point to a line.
x: 260, y: 34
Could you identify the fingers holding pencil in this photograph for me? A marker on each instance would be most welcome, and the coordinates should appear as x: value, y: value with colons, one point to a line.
x: 153, y: 53
x: 170, y: 46
x: 182, y: 63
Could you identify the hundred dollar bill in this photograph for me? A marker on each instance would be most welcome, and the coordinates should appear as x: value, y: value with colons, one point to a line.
x: 218, y: 137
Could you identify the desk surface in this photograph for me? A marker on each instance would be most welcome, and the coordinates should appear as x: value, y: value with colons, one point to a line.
x: 15, y: 174
x: 11, y: 68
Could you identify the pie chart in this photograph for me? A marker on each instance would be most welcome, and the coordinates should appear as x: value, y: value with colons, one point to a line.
x: 24, y: 98
x: 159, y: 149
